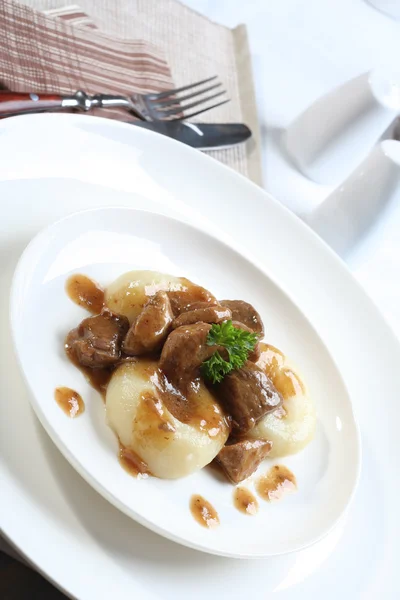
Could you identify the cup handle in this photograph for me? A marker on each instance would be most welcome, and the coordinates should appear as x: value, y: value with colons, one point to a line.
x: 345, y: 217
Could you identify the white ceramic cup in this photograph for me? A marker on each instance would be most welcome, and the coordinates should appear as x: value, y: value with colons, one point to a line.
x: 331, y: 137
x: 368, y: 196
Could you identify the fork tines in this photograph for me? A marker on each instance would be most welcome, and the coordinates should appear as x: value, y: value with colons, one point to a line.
x: 172, y: 104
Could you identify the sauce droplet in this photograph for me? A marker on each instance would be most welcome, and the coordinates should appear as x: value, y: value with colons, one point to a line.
x: 245, y: 501
x: 204, y: 513
x: 70, y: 401
x: 86, y: 293
x: 278, y: 482
x: 132, y: 463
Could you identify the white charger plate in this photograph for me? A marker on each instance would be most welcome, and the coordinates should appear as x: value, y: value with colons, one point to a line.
x: 53, y: 165
x: 105, y: 243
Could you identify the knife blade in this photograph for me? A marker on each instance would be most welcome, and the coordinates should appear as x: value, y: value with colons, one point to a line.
x: 204, y: 136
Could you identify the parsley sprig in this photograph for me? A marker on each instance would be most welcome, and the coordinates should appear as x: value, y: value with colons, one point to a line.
x: 238, y: 343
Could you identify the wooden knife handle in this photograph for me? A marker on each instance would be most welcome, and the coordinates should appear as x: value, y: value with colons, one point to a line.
x: 12, y: 103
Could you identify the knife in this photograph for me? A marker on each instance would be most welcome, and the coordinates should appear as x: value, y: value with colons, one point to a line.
x: 204, y: 136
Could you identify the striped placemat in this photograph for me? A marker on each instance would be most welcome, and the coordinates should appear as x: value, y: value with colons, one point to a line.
x: 40, y: 53
x: 192, y: 46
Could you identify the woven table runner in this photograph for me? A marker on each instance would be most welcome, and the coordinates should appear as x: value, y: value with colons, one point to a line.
x: 193, y: 47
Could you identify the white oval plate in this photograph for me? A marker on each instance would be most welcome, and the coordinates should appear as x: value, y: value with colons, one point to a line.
x: 105, y: 243
x: 88, y: 547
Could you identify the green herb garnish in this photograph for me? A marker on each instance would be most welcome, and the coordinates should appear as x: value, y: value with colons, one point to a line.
x: 238, y: 343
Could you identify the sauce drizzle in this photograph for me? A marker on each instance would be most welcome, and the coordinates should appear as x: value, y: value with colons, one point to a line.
x: 204, y: 513
x: 286, y: 381
x: 278, y: 482
x: 198, y: 407
x: 97, y: 378
x: 245, y: 501
x: 70, y: 401
x: 132, y: 463
x: 86, y: 293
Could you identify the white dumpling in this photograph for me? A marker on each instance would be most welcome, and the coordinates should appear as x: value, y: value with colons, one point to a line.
x: 128, y: 294
x: 291, y: 428
x: 170, y: 448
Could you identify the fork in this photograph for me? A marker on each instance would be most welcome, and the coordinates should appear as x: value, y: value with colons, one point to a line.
x: 147, y: 107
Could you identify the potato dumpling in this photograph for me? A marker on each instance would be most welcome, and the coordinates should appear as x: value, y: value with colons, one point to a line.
x: 137, y: 414
x: 128, y: 294
x: 292, y: 427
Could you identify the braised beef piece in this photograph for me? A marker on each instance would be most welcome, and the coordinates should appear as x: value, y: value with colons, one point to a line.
x: 96, y: 342
x: 247, y: 394
x: 200, y: 304
x: 256, y: 353
x: 184, y: 300
x: 240, y: 459
x: 207, y: 314
x: 151, y: 328
x: 184, y: 352
x: 245, y: 313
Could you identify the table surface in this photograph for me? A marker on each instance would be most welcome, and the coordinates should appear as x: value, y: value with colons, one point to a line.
x: 300, y: 50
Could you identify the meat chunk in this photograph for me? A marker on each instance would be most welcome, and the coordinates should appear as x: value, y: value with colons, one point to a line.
x: 247, y: 394
x: 151, y: 328
x: 184, y: 352
x: 183, y: 300
x: 97, y: 341
x: 208, y: 314
x: 239, y: 460
x: 245, y: 313
x: 199, y: 304
x: 256, y: 353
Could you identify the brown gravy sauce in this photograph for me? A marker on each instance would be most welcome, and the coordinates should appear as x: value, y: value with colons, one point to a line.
x: 198, y: 408
x: 278, y: 482
x: 97, y: 378
x: 86, y: 293
x: 69, y: 401
x: 245, y: 501
x: 151, y: 424
x: 132, y: 463
x: 204, y: 513
x: 285, y: 380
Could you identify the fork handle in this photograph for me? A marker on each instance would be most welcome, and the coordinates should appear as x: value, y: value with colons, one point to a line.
x: 14, y: 103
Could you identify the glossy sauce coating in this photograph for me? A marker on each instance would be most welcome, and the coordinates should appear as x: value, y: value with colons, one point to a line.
x: 204, y: 513
x: 272, y: 362
x: 69, y: 401
x: 97, y: 378
x: 198, y: 408
x: 132, y: 463
x: 245, y: 501
x: 85, y: 292
x: 152, y: 424
x: 278, y: 482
